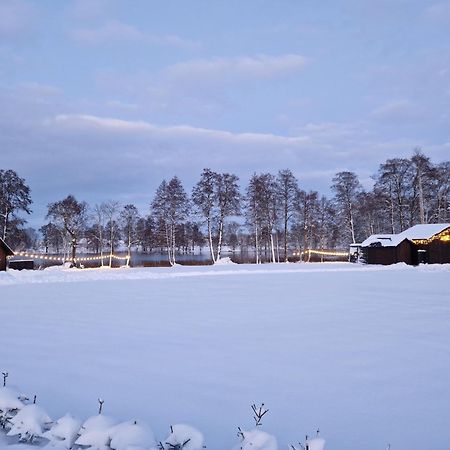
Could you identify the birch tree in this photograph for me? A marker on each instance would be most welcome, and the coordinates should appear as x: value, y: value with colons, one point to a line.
x: 424, y: 185
x: 98, y: 229
x: 111, y: 210
x: 442, y: 208
x: 216, y: 197
x: 129, y: 217
x: 261, y: 205
x: 393, y: 182
x: 346, y: 187
x: 287, y: 189
x: 170, y: 207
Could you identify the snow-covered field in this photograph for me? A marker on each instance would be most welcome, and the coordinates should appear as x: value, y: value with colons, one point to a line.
x: 361, y: 352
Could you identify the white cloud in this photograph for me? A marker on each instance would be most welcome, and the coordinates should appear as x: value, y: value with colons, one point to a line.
x: 250, y: 67
x: 115, y: 31
x: 89, y: 123
x: 398, y: 110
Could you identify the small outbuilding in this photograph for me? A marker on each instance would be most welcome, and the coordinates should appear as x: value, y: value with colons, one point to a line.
x: 5, y: 251
x: 424, y: 243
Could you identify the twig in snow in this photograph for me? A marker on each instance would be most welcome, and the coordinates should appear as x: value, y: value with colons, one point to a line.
x: 259, y: 413
x: 5, y: 376
x: 100, y: 405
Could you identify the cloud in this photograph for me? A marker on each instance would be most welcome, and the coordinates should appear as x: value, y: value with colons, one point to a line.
x: 113, y: 32
x: 59, y: 150
x: 249, y: 67
x: 398, y: 110
x: 16, y: 18
x: 89, y: 123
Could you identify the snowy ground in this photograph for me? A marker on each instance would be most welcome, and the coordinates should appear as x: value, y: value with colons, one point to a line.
x: 361, y: 352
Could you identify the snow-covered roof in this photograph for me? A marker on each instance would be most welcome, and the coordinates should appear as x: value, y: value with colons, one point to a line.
x: 421, y: 231
x: 6, y: 247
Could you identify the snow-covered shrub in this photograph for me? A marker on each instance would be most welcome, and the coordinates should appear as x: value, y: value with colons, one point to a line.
x: 10, y: 403
x: 95, y: 433
x: 316, y: 443
x: 30, y: 423
x: 256, y: 440
x: 63, y: 433
x: 183, y: 437
x: 127, y: 435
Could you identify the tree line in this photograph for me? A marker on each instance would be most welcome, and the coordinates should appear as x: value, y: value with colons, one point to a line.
x: 271, y: 217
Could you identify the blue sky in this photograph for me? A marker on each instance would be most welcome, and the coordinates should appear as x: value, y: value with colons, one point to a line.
x: 105, y: 98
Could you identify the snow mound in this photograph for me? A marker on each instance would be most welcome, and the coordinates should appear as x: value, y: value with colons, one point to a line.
x: 64, y: 432
x: 224, y: 261
x: 95, y: 432
x: 9, y: 400
x: 29, y: 423
x: 316, y: 444
x: 257, y: 440
x: 185, y: 437
x: 128, y: 435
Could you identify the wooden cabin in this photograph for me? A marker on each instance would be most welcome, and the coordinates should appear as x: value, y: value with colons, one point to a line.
x: 5, y: 251
x: 424, y: 243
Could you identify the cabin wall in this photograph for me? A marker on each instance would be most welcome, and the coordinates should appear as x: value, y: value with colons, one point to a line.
x: 2, y: 260
x: 390, y: 255
x: 438, y: 252
x: 380, y: 255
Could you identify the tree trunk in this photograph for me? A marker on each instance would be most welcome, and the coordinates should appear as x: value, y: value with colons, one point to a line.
x: 285, y: 235
x: 210, y: 241
x: 219, y: 243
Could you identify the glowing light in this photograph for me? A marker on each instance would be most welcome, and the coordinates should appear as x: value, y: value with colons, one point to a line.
x: 69, y: 259
x: 443, y: 236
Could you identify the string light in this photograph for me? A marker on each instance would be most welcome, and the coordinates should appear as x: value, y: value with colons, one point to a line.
x: 61, y: 258
x: 443, y: 236
x: 321, y: 252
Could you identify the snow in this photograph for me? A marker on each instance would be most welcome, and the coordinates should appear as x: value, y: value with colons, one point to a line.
x: 316, y: 443
x: 9, y: 400
x: 188, y: 437
x: 63, y: 433
x: 421, y: 231
x: 29, y: 423
x: 257, y: 440
x: 223, y: 261
x: 131, y: 434
x: 360, y: 352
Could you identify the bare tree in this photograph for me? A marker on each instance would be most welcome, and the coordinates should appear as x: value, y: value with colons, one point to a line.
x: 111, y: 210
x: 129, y: 217
x: 170, y: 207
x: 287, y: 189
x: 393, y: 182
x: 261, y: 205
x: 442, y: 208
x: 346, y: 187
x: 424, y: 185
x: 70, y: 216
x: 51, y: 237
x: 14, y: 197
x: 216, y: 197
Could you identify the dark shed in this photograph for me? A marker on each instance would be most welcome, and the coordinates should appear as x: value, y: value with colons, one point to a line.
x: 5, y: 251
x: 424, y: 243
